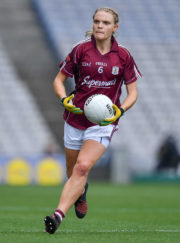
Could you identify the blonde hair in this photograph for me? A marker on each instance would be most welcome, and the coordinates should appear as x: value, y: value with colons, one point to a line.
x: 108, y: 10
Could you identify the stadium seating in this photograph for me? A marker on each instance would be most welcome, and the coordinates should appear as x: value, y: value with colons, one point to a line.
x: 23, y: 130
x: 66, y: 22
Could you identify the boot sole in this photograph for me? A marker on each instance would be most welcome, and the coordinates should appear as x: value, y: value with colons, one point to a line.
x: 50, y: 225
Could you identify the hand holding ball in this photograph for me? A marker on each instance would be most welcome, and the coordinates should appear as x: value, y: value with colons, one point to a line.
x: 99, y: 109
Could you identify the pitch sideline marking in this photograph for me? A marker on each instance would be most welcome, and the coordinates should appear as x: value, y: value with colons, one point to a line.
x: 121, y: 210
x: 98, y: 231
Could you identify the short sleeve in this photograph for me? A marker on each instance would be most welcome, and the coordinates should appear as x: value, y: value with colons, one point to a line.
x: 67, y: 67
x: 131, y: 71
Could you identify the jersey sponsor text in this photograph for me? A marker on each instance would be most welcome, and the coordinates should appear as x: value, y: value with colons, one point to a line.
x: 97, y: 83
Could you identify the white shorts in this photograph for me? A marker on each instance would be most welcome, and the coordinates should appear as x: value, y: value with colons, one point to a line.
x: 74, y: 138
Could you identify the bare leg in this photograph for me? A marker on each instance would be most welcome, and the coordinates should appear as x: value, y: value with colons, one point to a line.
x: 71, y: 158
x: 89, y: 154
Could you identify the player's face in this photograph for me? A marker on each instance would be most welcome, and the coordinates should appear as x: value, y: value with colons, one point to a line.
x: 103, y: 25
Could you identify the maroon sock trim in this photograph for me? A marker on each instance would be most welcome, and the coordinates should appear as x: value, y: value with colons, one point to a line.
x: 60, y: 212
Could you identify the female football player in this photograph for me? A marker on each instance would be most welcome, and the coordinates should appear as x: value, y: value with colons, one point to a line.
x: 99, y: 66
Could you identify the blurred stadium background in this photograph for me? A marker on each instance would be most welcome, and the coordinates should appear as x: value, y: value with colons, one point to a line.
x: 34, y: 36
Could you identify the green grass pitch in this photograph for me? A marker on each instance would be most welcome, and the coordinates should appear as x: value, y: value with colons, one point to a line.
x: 134, y: 213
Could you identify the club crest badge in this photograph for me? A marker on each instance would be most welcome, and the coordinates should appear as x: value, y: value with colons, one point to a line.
x: 115, y: 70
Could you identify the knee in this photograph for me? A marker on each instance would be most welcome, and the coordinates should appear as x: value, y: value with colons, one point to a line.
x: 81, y: 169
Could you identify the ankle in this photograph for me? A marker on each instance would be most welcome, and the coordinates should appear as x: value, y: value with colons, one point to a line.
x: 59, y: 214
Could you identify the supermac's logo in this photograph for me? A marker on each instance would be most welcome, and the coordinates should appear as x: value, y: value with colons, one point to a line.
x: 97, y: 83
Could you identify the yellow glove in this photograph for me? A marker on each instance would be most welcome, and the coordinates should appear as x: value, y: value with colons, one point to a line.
x: 118, y: 114
x: 67, y: 103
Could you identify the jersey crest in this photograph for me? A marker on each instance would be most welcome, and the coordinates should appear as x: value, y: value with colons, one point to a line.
x: 115, y: 70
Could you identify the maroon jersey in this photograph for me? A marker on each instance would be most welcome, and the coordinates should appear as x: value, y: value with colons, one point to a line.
x: 95, y: 73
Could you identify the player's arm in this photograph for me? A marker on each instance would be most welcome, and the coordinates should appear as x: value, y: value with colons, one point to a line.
x: 129, y: 101
x: 60, y: 91
x: 132, y: 95
x: 59, y: 88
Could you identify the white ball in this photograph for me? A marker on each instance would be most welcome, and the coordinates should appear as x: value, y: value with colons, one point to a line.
x: 98, y: 107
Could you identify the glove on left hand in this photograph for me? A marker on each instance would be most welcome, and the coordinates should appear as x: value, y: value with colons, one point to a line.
x: 118, y: 114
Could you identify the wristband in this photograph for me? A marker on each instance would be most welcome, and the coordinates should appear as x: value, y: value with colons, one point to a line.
x: 62, y: 100
x: 122, y: 111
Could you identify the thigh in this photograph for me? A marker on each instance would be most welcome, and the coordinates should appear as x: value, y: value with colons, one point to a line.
x: 71, y: 158
x: 91, y: 151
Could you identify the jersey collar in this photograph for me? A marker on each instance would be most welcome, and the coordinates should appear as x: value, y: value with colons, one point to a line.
x: 114, y: 47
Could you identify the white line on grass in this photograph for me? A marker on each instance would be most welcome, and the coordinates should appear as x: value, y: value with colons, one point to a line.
x: 120, y: 231
x: 120, y: 210
x: 137, y: 210
x: 97, y: 231
x: 24, y: 208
